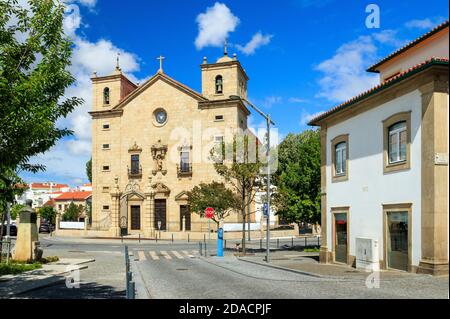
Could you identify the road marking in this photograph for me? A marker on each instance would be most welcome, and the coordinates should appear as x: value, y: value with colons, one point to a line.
x: 195, y: 252
x: 153, y: 255
x: 141, y: 255
x: 187, y: 254
x: 165, y: 254
x: 177, y: 254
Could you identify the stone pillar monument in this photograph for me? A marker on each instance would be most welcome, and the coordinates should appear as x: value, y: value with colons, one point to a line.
x: 27, y: 244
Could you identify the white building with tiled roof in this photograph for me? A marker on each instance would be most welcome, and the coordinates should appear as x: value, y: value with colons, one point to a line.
x: 385, y: 165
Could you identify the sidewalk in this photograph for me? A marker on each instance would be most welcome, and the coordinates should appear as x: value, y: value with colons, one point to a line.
x: 307, y: 264
x: 49, y: 274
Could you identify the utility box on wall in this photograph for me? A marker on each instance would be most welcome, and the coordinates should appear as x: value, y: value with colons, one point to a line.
x: 367, y: 254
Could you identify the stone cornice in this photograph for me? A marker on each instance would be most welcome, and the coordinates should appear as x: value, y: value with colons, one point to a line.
x: 211, y: 104
x: 106, y: 113
x: 225, y: 64
x: 112, y: 77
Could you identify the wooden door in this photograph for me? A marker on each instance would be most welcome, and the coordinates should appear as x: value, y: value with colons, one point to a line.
x: 135, y: 217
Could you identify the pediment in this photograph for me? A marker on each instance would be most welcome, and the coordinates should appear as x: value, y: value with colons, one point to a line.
x: 134, y: 197
x: 160, y: 188
x: 182, y: 196
x: 152, y: 81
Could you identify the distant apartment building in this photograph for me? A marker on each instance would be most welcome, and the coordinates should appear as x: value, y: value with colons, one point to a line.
x: 385, y: 164
x: 40, y: 193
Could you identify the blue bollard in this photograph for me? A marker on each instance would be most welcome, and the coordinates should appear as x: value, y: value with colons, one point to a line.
x: 220, y: 243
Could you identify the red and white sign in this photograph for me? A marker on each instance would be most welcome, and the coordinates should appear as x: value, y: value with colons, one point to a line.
x: 209, y: 212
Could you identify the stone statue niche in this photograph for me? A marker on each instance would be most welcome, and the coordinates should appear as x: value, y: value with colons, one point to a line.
x: 159, y: 152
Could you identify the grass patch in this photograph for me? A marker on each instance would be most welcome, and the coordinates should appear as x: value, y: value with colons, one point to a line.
x: 311, y: 250
x: 16, y: 268
x: 50, y: 259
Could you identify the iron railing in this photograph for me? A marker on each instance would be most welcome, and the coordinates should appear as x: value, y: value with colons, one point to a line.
x: 134, y: 172
x: 184, y: 170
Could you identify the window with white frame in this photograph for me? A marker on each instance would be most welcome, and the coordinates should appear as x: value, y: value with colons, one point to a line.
x: 341, y: 158
x: 397, y: 142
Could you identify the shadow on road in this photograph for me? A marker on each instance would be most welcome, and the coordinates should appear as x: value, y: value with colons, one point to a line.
x: 89, y: 290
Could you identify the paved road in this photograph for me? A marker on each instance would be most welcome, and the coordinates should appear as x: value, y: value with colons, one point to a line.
x: 172, y: 276
x: 166, y: 270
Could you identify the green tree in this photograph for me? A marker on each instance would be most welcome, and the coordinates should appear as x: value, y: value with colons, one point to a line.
x: 89, y: 170
x: 214, y: 195
x: 239, y: 165
x: 72, y: 212
x: 48, y: 213
x: 298, y: 178
x: 15, y: 210
x: 10, y: 185
x: 34, y: 58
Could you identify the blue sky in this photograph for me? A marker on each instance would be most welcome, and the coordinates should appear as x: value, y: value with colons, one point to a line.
x: 302, y: 56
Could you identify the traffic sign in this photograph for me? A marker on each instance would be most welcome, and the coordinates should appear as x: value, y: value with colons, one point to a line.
x: 209, y: 212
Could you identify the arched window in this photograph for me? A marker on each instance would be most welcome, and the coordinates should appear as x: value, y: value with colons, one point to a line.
x: 106, y: 96
x: 341, y: 158
x: 219, y: 84
x: 397, y: 142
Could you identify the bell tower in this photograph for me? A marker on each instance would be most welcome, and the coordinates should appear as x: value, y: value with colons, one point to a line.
x: 108, y: 91
x: 224, y: 78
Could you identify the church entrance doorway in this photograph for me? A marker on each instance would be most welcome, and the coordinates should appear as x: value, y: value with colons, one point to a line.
x: 160, y: 214
x: 186, y: 215
x: 135, y: 217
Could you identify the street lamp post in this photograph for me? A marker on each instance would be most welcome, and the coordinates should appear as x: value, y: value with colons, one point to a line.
x: 269, y: 121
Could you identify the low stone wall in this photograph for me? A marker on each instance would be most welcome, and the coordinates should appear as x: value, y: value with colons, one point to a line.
x: 82, y: 233
x: 176, y: 235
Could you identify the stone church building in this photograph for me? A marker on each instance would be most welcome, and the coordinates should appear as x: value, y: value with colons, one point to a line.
x: 151, y: 144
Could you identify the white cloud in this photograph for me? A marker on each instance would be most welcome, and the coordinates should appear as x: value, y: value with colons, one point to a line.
x: 214, y: 26
x: 427, y: 23
x: 272, y: 100
x: 389, y: 37
x: 66, y: 161
x: 344, y: 74
x: 306, y: 117
x: 72, y: 19
x: 88, y: 3
x: 258, y: 40
x: 61, y: 165
x: 79, y: 147
x: 298, y: 100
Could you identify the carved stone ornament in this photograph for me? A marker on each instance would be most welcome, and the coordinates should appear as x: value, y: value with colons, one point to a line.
x: 159, y: 152
x: 133, y: 186
x: 160, y: 188
x: 135, y: 149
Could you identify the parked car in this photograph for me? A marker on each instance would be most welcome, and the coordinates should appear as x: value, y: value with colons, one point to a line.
x: 46, y: 228
x: 12, y: 230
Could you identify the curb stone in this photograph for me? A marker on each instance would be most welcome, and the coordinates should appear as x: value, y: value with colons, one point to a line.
x: 288, y: 269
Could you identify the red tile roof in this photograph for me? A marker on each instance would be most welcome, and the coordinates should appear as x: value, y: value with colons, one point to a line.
x: 435, y: 30
x: 76, y: 196
x: 47, y: 185
x: 415, y: 69
x: 50, y: 202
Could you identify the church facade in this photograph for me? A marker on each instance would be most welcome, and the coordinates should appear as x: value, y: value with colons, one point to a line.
x: 151, y: 145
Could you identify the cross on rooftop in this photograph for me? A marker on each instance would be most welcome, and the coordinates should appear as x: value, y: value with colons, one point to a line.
x: 160, y: 58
